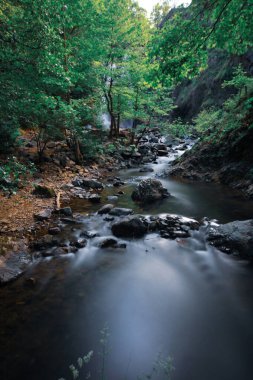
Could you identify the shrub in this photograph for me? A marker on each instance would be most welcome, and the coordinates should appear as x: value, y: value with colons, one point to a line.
x: 8, y: 135
x: 236, y: 112
x: 13, y: 174
x: 178, y: 128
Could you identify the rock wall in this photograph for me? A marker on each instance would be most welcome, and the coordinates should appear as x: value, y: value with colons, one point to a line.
x: 206, y: 91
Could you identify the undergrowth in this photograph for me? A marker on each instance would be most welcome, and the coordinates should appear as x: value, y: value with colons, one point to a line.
x: 14, y: 174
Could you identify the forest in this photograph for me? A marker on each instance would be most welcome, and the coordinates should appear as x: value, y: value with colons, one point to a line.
x: 126, y: 189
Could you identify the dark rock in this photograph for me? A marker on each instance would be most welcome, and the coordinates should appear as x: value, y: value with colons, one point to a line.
x: 31, y: 282
x: 68, y: 220
x: 149, y: 190
x: 43, y: 215
x: 126, y: 155
x: 174, y: 226
x: 105, y: 209
x: 87, y: 183
x: 235, y: 237
x: 94, y: 198
x: 177, y: 220
x: 12, y: 266
x: 108, y: 243
x: 66, y: 211
x: 146, y: 169
x: 54, y: 230
x: 43, y: 191
x: 162, y: 152
x: 121, y: 245
x: 131, y: 227
x: 89, y: 234
x: 45, y: 242
x: 80, y: 243
x: 161, y: 147
x: 136, y: 155
x: 118, y: 183
x: 77, y: 182
x: 117, y: 211
x: 109, y: 219
x: 58, y: 251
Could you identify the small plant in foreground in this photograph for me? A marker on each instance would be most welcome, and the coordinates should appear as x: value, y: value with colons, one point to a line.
x: 161, y: 369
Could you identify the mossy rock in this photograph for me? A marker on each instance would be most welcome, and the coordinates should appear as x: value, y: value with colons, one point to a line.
x: 42, y: 191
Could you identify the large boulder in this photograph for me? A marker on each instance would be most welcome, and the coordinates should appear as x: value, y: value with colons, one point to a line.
x: 131, y: 227
x: 149, y: 190
x: 234, y: 237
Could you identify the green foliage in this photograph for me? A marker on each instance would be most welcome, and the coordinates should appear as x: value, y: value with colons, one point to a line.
x: 8, y: 135
x: 235, y: 113
x: 14, y: 174
x: 159, y: 12
x: 180, y: 47
x: 62, y: 65
x: 208, y: 120
x: 177, y: 128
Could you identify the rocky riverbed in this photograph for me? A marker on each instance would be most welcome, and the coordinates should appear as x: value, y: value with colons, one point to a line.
x: 52, y: 234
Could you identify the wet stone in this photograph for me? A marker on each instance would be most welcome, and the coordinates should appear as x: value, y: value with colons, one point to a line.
x: 131, y: 227
x: 112, y: 198
x: 54, y: 230
x: 81, y: 243
x: 66, y: 211
x: 89, y: 234
x: 117, y: 211
x: 109, y: 219
x: 105, y: 209
x: 94, y: 198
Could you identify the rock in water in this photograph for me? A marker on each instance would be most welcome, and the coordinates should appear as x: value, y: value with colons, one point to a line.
x: 118, y: 211
x: 150, y: 190
x: 105, y: 209
x: 87, y: 183
x: 131, y: 227
x: 146, y: 169
x: 234, y: 237
x: 94, y: 198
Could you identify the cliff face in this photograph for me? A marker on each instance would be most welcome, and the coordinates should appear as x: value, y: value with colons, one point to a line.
x: 206, y: 90
x: 227, y: 161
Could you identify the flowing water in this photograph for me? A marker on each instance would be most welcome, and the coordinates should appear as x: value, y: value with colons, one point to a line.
x: 181, y: 298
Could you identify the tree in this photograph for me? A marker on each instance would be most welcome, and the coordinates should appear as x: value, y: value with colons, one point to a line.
x: 181, y: 46
x: 47, y: 66
x: 159, y: 12
x: 125, y: 37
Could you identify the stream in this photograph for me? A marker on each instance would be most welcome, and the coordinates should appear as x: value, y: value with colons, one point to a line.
x: 181, y: 298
